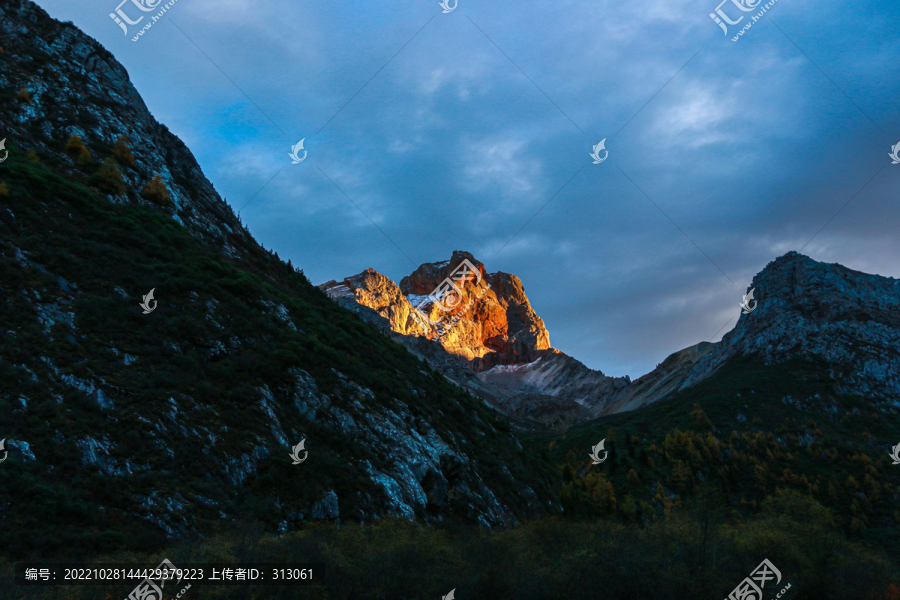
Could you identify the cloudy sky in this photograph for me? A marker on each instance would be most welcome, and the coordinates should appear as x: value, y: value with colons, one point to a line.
x: 429, y: 132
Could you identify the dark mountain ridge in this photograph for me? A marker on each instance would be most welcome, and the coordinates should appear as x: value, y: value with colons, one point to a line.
x: 127, y: 428
x: 806, y: 308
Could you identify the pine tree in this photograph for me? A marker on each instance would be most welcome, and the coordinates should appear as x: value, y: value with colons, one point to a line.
x: 700, y: 418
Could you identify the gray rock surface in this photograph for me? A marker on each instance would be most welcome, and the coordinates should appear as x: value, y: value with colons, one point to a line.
x: 811, y: 309
x: 78, y: 88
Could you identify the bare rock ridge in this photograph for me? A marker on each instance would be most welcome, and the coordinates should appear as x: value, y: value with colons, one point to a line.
x: 849, y: 319
x: 492, y: 323
x: 496, y: 325
x: 805, y: 308
x: 493, y: 343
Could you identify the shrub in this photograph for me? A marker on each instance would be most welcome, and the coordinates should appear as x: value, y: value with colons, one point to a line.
x: 156, y: 191
x: 109, y: 179
x: 122, y: 152
x: 74, y: 146
x: 24, y: 96
x: 633, y: 477
x: 76, y: 149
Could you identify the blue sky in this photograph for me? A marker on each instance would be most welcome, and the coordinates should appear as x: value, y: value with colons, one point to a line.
x: 722, y: 155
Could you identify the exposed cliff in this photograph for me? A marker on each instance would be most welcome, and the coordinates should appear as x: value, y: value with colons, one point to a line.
x: 490, y: 322
x: 493, y: 343
x: 851, y: 320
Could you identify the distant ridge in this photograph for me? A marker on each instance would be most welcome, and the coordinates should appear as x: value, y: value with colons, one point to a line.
x: 805, y: 308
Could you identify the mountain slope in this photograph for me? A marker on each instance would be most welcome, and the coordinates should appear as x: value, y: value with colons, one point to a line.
x: 126, y: 428
x: 801, y: 399
x: 56, y: 82
x: 493, y: 344
x: 745, y: 432
x: 811, y: 309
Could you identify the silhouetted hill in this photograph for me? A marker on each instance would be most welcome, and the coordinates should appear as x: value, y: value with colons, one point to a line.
x: 125, y: 428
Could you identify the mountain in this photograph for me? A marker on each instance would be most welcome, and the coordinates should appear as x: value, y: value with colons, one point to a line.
x: 484, y: 335
x: 804, y: 308
x: 490, y: 322
x: 849, y: 319
x: 132, y: 420
x: 141, y: 427
x: 492, y: 343
x: 484, y: 329
x: 58, y: 82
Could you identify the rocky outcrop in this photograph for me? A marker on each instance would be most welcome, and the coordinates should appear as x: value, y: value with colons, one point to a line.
x: 65, y: 83
x: 483, y: 334
x: 485, y: 317
x: 851, y: 320
x: 378, y: 293
x: 424, y: 474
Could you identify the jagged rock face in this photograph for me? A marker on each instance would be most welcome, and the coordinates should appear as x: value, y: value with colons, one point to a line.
x: 373, y: 290
x: 78, y: 88
x: 425, y: 472
x: 492, y: 320
x: 811, y: 309
x: 490, y: 341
